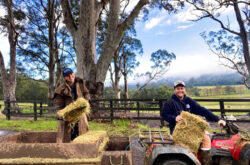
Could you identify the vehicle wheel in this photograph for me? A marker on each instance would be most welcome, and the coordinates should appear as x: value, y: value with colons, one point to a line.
x: 172, y: 162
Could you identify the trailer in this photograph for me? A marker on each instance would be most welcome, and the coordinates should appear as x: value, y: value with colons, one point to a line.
x: 41, y: 148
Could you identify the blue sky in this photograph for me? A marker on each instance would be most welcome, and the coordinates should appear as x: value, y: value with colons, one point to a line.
x: 175, y: 34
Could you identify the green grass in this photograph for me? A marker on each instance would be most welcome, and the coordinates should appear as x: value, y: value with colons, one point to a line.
x: 42, y: 124
x: 121, y: 127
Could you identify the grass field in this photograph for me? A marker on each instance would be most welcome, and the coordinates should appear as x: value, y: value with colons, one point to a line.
x: 119, y: 127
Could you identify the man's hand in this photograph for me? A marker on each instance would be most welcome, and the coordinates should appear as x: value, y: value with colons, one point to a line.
x: 68, y: 119
x: 222, y: 123
x: 178, y: 118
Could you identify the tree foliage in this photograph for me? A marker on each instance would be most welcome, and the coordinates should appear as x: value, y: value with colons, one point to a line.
x: 229, y: 49
x: 161, y: 60
x: 34, y: 52
x: 29, y: 89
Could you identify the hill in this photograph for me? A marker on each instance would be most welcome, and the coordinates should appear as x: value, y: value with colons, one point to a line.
x: 203, y: 80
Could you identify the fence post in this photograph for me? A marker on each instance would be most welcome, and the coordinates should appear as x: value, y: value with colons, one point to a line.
x: 138, y: 109
x: 111, y: 111
x: 222, y: 109
x: 35, y: 111
x: 161, y: 110
x: 41, y: 108
x: 8, y: 108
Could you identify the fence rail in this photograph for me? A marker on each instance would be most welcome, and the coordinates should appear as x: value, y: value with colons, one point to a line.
x: 137, y: 109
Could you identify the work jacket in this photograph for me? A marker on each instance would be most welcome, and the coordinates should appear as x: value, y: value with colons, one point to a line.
x: 63, y: 94
x: 174, y: 106
x: 63, y: 97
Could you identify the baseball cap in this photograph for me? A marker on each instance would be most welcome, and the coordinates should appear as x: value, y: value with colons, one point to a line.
x: 67, y: 71
x: 179, y: 83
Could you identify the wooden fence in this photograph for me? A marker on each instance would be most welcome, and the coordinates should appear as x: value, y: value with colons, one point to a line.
x: 136, y: 109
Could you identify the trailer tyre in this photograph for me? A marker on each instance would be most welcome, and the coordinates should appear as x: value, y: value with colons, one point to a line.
x: 172, y: 162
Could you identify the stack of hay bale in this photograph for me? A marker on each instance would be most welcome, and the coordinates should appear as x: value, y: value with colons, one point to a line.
x: 190, y: 131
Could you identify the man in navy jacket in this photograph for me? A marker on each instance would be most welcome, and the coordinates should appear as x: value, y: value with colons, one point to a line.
x: 180, y: 102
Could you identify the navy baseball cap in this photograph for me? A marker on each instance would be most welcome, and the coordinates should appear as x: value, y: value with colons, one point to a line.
x: 67, y: 71
x: 179, y: 83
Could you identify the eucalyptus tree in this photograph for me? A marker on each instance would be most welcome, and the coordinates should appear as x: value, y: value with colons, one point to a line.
x: 11, y: 25
x: 83, y: 29
x: 124, y: 60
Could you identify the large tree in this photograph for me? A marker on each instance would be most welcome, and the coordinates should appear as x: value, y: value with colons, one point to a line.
x: 45, y: 45
x: 83, y: 30
x: 10, y: 24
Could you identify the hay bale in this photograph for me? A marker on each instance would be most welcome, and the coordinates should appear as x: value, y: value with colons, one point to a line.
x: 90, y: 137
x: 75, y: 110
x: 98, y: 137
x: 190, y: 131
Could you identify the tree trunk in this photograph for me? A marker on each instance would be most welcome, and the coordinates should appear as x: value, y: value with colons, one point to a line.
x: 125, y: 77
x: 125, y: 86
x: 84, y: 35
x: 117, y: 90
x: 243, y: 35
x: 51, y: 64
x: 117, y: 65
x: 9, y: 79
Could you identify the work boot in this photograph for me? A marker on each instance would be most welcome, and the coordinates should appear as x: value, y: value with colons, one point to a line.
x: 206, y: 157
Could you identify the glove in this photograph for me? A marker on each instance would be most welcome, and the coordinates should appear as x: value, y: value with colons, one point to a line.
x: 222, y: 123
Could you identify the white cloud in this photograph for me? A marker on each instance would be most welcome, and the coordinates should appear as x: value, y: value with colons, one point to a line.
x: 160, y: 33
x: 187, y: 14
x: 5, y: 48
x: 196, y: 65
x: 168, y: 22
x: 185, y: 26
x: 154, y: 22
x: 185, y: 66
x: 2, y: 11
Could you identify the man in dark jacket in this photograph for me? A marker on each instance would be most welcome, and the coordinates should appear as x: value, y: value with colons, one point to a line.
x: 180, y: 102
x: 66, y: 93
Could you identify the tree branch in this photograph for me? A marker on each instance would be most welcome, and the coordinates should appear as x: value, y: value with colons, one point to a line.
x: 130, y: 19
x: 210, y: 15
x: 68, y: 17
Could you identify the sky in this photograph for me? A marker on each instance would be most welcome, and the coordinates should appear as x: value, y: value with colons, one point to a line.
x: 182, y: 37
x: 176, y: 34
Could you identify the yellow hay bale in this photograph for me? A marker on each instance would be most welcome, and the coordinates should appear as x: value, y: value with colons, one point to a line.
x: 100, y: 137
x: 75, y: 110
x: 190, y: 132
x: 28, y: 160
x: 90, y: 137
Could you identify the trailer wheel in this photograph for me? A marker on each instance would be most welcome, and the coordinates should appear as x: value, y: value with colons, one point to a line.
x: 172, y: 162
